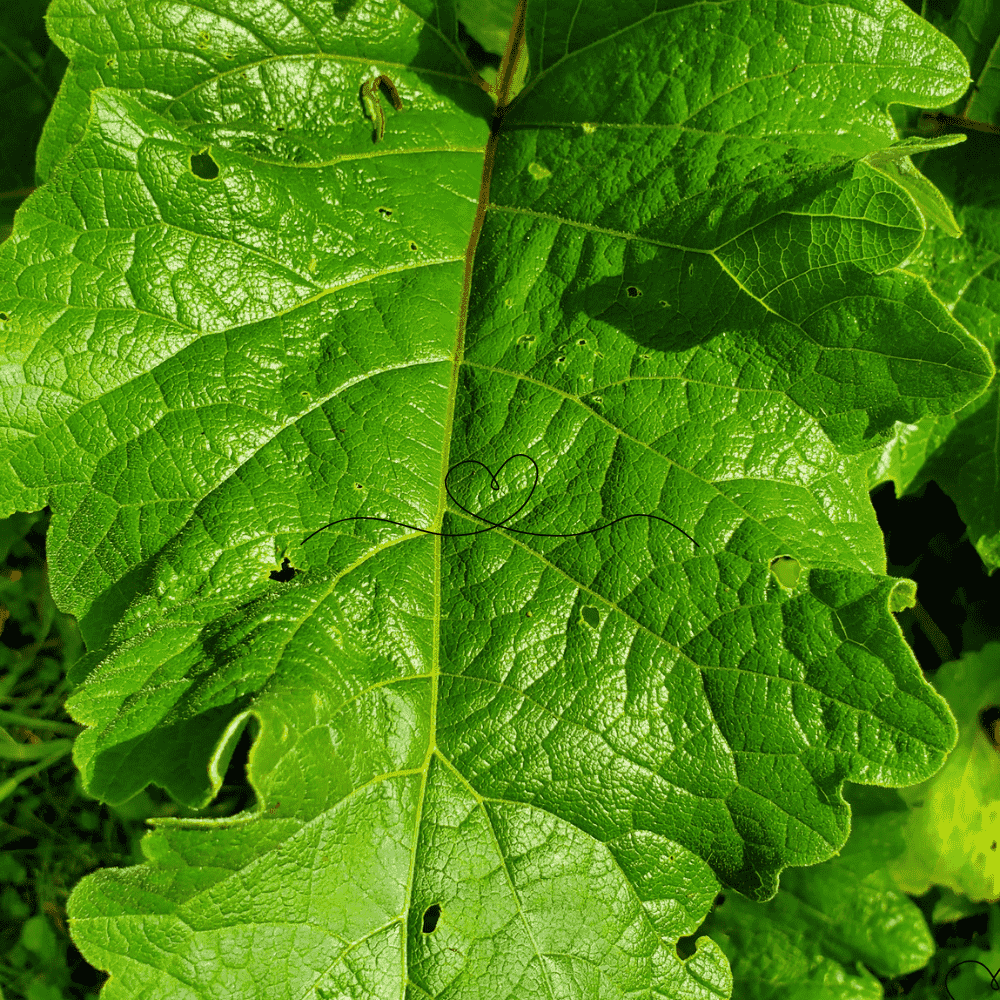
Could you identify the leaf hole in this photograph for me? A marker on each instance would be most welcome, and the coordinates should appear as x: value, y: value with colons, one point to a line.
x: 685, y: 947
x: 285, y: 574
x: 204, y: 40
x: 632, y: 292
x: 386, y: 213
x: 4, y: 317
x: 786, y: 570
x: 204, y: 166
x: 989, y: 719
x: 431, y: 916
x: 236, y: 795
x: 581, y: 343
x: 591, y: 616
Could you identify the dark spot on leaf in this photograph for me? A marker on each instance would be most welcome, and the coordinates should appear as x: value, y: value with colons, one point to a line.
x: 591, y: 617
x: 431, y: 916
x: 203, y: 166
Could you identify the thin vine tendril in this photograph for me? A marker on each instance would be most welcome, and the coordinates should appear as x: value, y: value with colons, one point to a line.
x: 495, y: 485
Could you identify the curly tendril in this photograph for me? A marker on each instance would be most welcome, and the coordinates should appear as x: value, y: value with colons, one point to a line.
x: 494, y: 485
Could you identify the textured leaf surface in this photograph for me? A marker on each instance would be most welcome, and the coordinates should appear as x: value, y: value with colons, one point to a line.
x: 493, y: 762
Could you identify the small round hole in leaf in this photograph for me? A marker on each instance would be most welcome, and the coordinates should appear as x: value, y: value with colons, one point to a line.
x: 203, y: 166
x: 431, y: 916
x: 786, y: 570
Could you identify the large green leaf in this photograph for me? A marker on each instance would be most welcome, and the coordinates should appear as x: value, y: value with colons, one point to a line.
x: 515, y: 760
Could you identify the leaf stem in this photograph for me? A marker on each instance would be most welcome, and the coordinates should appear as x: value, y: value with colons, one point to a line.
x: 936, y: 637
x: 16, y: 719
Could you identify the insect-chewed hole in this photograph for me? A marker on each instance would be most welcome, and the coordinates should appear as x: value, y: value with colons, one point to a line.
x: 413, y: 246
x: 591, y: 616
x: 786, y: 570
x: 632, y: 292
x: 4, y: 317
x: 386, y: 213
x: 989, y: 719
x: 286, y: 573
x: 204, y: 166
x: 431, y: 916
